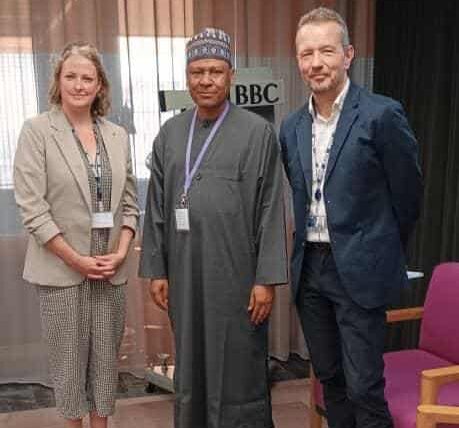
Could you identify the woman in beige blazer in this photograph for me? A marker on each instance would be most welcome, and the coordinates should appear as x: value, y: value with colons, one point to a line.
x: 76, y: 192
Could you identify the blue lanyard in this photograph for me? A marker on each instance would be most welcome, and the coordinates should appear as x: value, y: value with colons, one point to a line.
x: 190, y: 174
x: 319, y: 170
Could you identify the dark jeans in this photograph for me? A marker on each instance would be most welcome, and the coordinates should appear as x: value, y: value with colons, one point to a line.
x: 346, y: 344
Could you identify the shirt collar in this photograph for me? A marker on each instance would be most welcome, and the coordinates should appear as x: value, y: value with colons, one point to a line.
x: 337, y: 104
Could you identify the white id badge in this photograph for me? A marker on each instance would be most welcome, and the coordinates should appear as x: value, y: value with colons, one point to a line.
x: 102, y: 220
x: 182, y: 220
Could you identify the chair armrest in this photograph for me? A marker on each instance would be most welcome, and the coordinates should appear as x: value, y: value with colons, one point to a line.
x: 429, y: 415
x: 432, y: 379
x: 443, y: 374
x: 396, y: 315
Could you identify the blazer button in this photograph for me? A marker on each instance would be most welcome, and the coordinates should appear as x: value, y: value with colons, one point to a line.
x: 198, y: 176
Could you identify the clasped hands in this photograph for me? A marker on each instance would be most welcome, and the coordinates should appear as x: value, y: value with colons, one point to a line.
x: 99, y: 267
x: 260, y: 303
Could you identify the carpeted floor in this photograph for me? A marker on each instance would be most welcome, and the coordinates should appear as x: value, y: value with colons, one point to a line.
x: 16, y: 397
x: 290, y: 410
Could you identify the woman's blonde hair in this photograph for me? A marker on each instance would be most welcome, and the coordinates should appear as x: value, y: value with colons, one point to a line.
x: 101, y: 103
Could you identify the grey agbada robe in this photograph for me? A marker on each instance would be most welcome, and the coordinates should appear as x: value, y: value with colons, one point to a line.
x: 236, y: 239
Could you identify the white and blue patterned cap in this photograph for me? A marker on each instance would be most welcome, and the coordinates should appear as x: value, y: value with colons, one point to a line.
x: 209, y: 43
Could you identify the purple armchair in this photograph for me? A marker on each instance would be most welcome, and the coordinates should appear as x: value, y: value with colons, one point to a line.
x: 422, y: 385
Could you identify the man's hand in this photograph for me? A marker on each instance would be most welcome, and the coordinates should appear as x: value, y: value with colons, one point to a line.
x: 261, y: 302
x: 159, y: 292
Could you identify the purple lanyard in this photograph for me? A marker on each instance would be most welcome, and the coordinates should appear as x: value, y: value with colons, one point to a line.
x: 189, y: 175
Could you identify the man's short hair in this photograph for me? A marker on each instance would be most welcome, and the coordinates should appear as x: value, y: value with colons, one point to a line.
x: 324, y: 14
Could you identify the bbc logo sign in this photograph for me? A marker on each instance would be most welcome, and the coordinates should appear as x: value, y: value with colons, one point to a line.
x: 255, y: 94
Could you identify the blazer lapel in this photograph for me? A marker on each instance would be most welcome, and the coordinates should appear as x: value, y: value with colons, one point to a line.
x: 303, y: 138
x: 113, y: 141
x: 62, y: 134
x: 346, y: 120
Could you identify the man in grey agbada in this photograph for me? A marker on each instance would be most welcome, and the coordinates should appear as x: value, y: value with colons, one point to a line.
x: 214, y: 244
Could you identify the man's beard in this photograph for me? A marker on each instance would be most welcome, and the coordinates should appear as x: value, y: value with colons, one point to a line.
x: 324, y: 86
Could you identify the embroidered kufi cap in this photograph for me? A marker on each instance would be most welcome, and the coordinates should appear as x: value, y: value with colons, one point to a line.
x: 209, y: 43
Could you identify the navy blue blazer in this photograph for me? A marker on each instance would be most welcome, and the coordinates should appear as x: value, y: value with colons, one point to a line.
x: 372, y: 193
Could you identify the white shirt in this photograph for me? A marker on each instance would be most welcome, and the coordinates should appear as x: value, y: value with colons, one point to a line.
x: 323, y: 131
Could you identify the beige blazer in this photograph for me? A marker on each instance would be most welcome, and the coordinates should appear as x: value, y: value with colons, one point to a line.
x: 53, y: 195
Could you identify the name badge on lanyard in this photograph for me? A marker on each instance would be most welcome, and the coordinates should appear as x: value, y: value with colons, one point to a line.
x: 102, y: 220
x: 182, y: 219
x: 182, y: 215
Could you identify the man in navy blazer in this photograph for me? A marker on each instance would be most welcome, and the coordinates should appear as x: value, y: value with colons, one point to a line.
x: 351, y: 160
